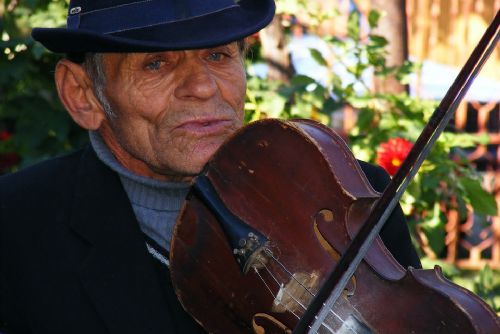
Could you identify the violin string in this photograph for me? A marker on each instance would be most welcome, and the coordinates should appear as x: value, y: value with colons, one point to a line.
x: 270, y: 254
x: 296, y: 300
x: 290, y: 276
x: 299, y: 303
x: 280, y: 284
x: 311, y: 293
x: 272, y: 294
x: 275, y: 297
x: 289, y: 273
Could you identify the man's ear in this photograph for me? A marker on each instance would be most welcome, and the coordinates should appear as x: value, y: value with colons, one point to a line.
x: 76, y: 93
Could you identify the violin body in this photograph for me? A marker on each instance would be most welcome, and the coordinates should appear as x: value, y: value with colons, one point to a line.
x: 298, y: 184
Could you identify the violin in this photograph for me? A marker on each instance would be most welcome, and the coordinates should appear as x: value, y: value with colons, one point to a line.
x: 262, y: 236
x: 305, y: 218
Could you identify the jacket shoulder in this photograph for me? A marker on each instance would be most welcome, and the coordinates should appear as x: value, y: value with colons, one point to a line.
x: 41, y: 177
x: 377, y: 176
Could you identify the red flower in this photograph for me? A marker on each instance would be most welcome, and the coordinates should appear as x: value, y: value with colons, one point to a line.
x: 4, y: 135
x: 391, y: 154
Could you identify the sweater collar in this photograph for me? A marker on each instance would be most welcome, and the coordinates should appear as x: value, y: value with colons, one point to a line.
x: 143, y: 191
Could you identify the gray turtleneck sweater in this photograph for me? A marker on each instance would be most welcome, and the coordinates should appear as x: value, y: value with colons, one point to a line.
x: 156, y: 203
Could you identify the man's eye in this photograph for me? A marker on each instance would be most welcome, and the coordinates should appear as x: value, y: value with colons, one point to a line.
x: 155, y: 65
x: 216, y: 56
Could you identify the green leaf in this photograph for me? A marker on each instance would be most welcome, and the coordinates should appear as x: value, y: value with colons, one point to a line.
x: 434, y: 229
x: 449, y: 270
x: 482, y: 201
x: 302, y: 80
x: 353, y: 26
x: 404, y: 72
x: 463, y: 139
x: 318, y: 57
x: 334, y: 40
x: 365, y: 118
x: 373, y: 18
x: 377, y: 41
x: 487, y: 286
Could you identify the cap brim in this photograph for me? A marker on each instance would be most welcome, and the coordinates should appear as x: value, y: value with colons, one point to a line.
x: 210, y: 30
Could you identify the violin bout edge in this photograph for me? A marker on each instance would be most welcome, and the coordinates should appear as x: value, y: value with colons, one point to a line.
x: 479, y: 314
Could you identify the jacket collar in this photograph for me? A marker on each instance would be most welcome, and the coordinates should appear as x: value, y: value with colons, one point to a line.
x: 118, y: 273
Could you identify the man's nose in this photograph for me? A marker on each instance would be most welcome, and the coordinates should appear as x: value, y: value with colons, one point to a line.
x: 198, y: 82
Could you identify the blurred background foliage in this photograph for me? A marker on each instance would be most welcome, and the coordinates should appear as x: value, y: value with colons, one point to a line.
x: 30, y: 110
x: 34, y: 126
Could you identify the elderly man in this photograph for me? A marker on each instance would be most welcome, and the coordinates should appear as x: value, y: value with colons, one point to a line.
x: 84, y: 238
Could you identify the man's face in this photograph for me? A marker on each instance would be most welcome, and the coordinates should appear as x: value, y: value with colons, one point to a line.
x: 173, y: 109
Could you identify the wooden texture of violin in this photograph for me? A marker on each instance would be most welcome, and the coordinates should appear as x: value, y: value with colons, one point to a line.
x: 298, y: 184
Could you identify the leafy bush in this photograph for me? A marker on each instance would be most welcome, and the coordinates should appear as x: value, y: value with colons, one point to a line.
x: 30, y: 110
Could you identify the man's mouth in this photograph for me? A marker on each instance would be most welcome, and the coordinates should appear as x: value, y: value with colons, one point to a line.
x: 206, y: 126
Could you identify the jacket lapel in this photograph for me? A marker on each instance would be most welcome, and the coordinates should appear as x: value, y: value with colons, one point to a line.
x: 118, y: 273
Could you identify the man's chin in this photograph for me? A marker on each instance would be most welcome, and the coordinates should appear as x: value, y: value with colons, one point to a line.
x: 190, y: 162
x: 205, y: 151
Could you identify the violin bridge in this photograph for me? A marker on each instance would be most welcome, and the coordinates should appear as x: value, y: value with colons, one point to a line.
x: 296, y: 293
